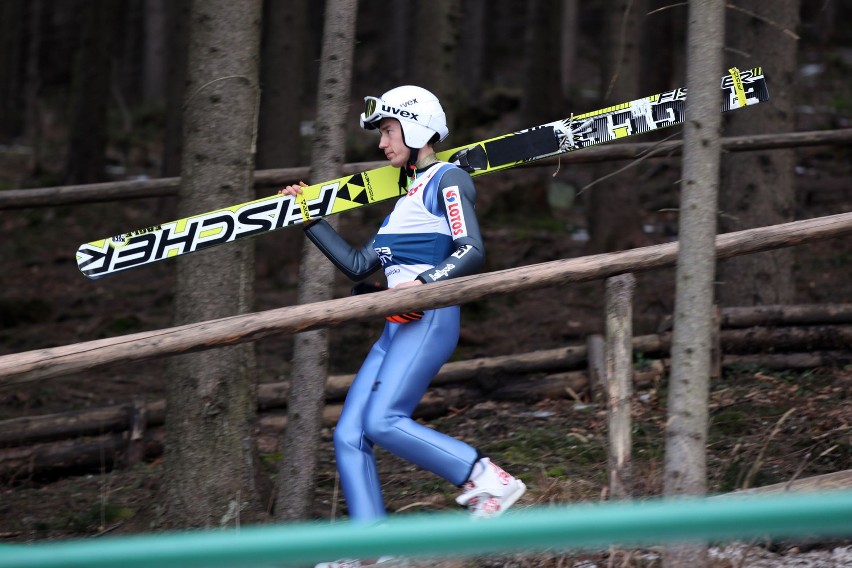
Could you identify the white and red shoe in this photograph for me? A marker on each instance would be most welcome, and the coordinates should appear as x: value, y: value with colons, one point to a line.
x: 491, y: 492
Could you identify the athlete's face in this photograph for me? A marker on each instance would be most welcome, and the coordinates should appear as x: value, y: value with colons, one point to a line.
x: 392, y: 142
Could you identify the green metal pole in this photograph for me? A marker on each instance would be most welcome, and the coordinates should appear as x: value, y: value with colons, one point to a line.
x: 583, y: 526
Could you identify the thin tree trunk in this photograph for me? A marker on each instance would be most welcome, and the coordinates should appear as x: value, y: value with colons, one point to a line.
x: 177, y: 17
x: 211, y: 475
x: 568, y: 45
x: 542, y: 85
x: 90, y: 93
x: 686, y: 431
x: 297, y: 475
x: 618, y: 227
x: 282, y: 73
x: 758, y: 188
x: 470, y: 62
x: 433, y: 65
x: 12, y: 43
x: 156, y: 52
x: 32, y: 88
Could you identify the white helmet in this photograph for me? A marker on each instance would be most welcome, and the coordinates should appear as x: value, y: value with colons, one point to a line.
x: 418, y: 111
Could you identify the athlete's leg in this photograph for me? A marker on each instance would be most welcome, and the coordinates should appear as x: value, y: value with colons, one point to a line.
x: 415, y: 354
x: 353, y: 451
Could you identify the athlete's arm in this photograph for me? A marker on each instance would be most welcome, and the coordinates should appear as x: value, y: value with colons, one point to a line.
x: 355, y: 263
x: 457, y: 201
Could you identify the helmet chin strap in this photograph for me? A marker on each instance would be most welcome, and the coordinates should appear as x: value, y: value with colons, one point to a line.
x: 408, y: 172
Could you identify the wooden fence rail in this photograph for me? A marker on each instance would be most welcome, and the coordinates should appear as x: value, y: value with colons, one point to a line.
x: 560, y: 366
x: 57, y: 361
x: 100, y: 192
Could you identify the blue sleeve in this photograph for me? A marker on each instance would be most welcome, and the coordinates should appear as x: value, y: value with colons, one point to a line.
x: 355, y: 263
x: 457, y: 202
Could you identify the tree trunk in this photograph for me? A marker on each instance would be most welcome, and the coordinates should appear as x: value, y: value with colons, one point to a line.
x: 686, y: 429
x: 32, y: 88
x: 156, y: 54
x: 283, y: 76
x: 664, y: 49
x: 397, y: 45
x: 758, y: 188
x: 129, y: 55
x: 210, y: 476
x: 542, y: 83
x: 434, y: 60
x: 297, y: 475
x: 470, y: 56
x: 90, y: 92
x: 12, y: 45
x: 568, y: 46
x: 618, y: 227
x: 177, y: 17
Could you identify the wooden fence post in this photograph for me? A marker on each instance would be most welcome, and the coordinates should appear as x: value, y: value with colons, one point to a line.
x: 619, y: 381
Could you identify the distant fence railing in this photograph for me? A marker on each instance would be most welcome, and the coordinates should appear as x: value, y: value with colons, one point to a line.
x: 161, y: 187
x: 562, y: 528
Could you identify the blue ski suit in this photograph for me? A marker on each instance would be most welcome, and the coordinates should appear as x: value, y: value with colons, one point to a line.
x: 431, y: 235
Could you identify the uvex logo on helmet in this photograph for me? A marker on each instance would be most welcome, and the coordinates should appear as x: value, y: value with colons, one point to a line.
x: 452, y: 201
x: 387, y: 109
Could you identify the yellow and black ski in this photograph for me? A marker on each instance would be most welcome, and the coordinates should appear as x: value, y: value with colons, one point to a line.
x: 158, y: 242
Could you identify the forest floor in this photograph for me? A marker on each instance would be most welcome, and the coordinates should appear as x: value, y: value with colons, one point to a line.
x: 767, y: 426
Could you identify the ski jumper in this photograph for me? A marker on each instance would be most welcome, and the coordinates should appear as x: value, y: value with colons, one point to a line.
x: 432, y: 235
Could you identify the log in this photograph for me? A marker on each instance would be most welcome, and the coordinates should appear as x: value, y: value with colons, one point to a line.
x: 76, y: 423
x: 790, y: 361
x: 553, y: 386
x: 89, y: 355
x: 96, y: 453
x: 115, y: 418
x: 121, y: 190
x: 18, y: 431
x: 778, y: 315
x: 827, y: 482
x: 778, y: 339
x: 806, y: 314
x: 107, y: 450
x: 274, y: 395
x: 768, y: 339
